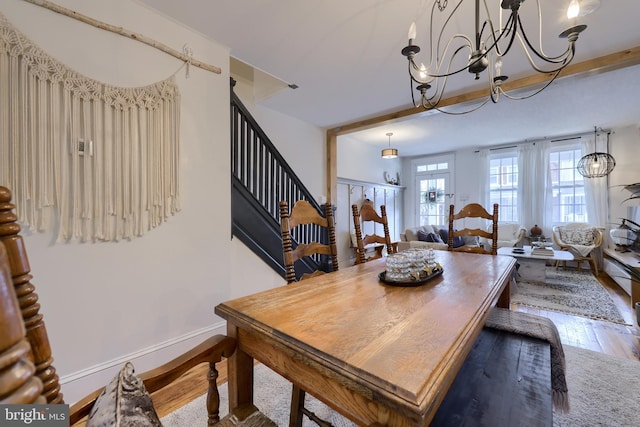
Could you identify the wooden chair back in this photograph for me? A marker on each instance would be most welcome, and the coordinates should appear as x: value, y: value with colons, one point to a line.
x: 305, y: 216
x: 25, y: 354
x: 368, y: 214
x: 19, y: 384
x: 300, y: 221
x: 474, y: 210
x: 36, y: 331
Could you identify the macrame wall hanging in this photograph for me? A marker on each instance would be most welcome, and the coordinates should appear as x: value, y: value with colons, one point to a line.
x: 84, y: 159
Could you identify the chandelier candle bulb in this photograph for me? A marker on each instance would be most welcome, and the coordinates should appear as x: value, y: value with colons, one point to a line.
x: 574, y: 9
x: 412, y: 33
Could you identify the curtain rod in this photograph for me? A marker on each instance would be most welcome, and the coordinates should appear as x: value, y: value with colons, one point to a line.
x: 554, y: 139
x: 577, y: 136
x: 502, y: 148
x: 121, y: 31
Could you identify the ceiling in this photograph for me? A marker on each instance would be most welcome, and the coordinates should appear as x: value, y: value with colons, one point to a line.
x: 344, y: 56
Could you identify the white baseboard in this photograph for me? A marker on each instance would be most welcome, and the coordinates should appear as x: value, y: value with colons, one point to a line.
x: 78, y: 384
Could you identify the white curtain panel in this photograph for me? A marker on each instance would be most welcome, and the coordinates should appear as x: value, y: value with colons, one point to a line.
x: 597, y: 192
x: 596, y: 188
x: 547, y: 223
x: 483, y: 178
x: 531, y: 205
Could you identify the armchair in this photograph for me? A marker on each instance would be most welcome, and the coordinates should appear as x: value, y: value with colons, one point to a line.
x: 510, y: 234
x: 582, y: 240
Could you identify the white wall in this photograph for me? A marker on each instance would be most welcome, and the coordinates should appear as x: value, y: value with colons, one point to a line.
x: 625, y: 148
x: 149, y: 298
x: 363, y: 162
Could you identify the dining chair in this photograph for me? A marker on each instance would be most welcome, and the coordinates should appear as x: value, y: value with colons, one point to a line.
x: 306, y: 223
x: 473, y: 210
x: 368, y: 214
x: 313, y: 236
x: 582, y: 240
x: 30, y: 378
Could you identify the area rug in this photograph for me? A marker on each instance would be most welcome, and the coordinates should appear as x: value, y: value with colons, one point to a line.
x: 603, y: 391
x: 272, y: 395
x: 572, y: 292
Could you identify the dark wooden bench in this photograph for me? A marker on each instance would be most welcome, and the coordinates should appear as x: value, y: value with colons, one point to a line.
x: 505, y: 381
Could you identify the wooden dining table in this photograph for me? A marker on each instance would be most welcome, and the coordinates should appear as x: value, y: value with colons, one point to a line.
x: 377, y: 353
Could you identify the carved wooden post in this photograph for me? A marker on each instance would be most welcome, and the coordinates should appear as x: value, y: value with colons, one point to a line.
x: 494, y: 230
x: 27, y: 298
x: 385, y: 228
x: 286, y: 242
x: 332, y: 236
x: 19, y: 386
x: 360, y: 253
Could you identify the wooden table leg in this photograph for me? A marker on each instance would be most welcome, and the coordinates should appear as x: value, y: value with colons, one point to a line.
x: 240, y: 372
x: 504, y: 301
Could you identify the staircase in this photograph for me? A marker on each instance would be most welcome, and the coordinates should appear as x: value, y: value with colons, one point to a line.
x: 260, y: 179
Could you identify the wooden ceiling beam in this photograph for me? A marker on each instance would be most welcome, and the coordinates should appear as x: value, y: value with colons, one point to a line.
x: 603, y: 64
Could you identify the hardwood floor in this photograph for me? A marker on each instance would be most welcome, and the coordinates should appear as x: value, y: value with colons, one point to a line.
x: 605, y: 337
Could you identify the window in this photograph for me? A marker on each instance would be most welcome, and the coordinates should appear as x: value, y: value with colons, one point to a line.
x: 432, y: 206
x: 568, y: 201
x: 431, y: 167
x: 533, y: 183
x: 503, y: 184
x: 433, y: 180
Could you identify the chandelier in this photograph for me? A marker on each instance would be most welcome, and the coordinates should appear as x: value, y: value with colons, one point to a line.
x: 485, y: 50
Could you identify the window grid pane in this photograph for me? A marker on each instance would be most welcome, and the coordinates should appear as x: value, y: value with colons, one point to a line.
x: 568, y: 201
x: 432, y: 202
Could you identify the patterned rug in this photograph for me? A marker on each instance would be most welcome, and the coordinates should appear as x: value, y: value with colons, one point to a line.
x: 566, y: 291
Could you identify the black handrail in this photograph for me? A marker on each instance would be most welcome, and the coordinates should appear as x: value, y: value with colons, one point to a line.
x: 258, y: 165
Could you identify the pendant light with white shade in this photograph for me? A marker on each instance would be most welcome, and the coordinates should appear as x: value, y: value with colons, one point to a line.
x: 389, y: 153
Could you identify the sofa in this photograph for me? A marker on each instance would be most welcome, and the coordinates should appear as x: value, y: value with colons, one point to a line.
x: 431, y: 236
x: 509, y: 235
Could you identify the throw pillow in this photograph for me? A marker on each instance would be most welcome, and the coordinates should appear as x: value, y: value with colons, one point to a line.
x: 578, y: 236
x: 457, y: 241
x: 411, y: 234
x: 124, y: 403
x: 429, y: 237
x: 471, y: 240
x: 444, y: 234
